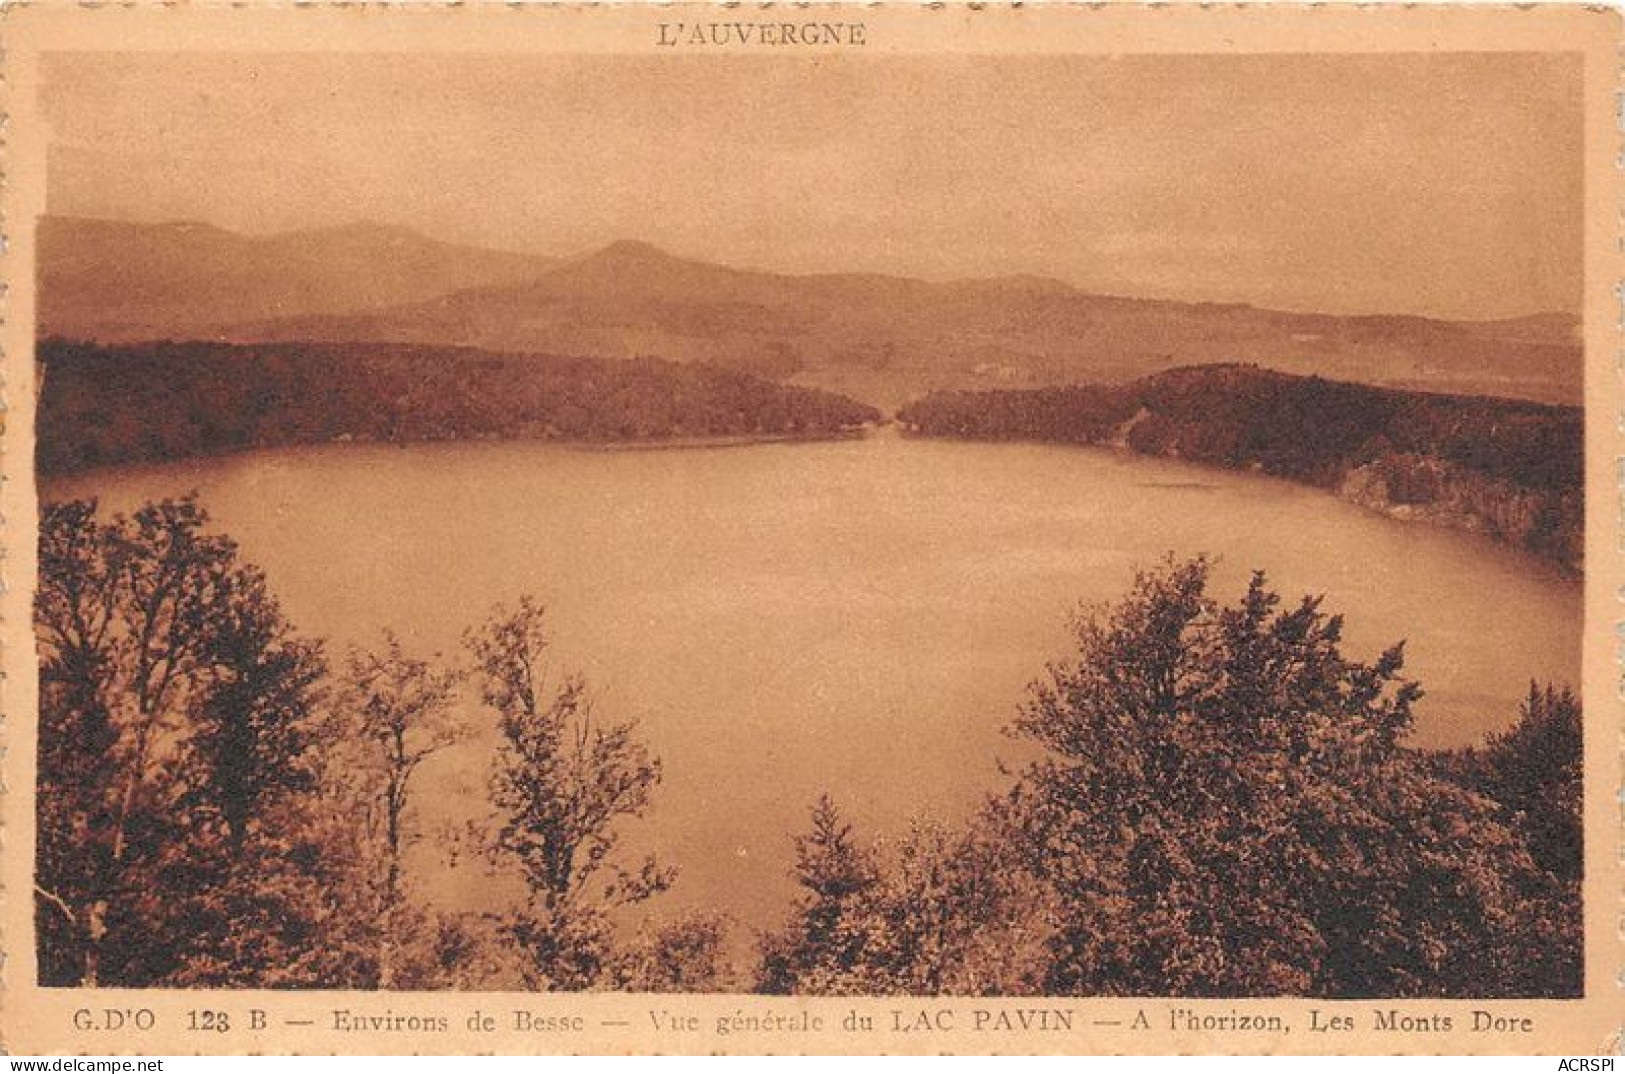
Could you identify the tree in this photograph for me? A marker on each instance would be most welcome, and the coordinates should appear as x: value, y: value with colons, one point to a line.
x: 1532, y: 772
x: 400, y: 711
x: 175, y: 708
x: 248, y: 882
x: 1533, y: 769
x: 80, y: 746
x: 563, y: 781
x: 825, y: 937
x: 951, y: 912
x: 686, y: 955
x: 1226, y: 807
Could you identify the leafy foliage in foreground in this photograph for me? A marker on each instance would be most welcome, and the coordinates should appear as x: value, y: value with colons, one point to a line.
x: 103, y: 406
x: 563, y: 778
x: 1225, y: 805
x: 211, y: 813
x: 1507, y: 467
x: 175, y: 758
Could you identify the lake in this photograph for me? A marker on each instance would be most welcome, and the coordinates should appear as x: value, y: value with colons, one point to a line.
x: 860, y: 617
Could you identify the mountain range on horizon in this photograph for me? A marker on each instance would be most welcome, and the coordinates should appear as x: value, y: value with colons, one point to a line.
x: 882, y: 339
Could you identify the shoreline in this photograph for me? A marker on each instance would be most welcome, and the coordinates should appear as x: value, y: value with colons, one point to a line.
x: 675, y: 443
x: 1408, y: 514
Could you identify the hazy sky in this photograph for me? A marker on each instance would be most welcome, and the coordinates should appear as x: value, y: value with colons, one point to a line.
x: 1446, y: 185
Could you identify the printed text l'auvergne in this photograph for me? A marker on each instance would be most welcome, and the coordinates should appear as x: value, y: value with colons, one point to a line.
x: 749, y: 34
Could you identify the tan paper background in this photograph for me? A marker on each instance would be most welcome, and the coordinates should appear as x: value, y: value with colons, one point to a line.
x: 35, y: 1020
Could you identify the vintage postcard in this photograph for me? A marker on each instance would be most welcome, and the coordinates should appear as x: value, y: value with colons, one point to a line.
x: 815, y: 528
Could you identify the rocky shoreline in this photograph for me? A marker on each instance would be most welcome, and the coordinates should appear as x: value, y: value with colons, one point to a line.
x: 1508, y: 469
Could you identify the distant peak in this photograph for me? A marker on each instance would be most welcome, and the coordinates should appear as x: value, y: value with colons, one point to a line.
x: 630, y: 250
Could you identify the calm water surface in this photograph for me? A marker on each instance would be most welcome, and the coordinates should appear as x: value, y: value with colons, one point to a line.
x: 861, y: 617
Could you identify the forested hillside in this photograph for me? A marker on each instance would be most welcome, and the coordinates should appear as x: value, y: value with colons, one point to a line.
x: 1508, y: 468
x: 108, y: 405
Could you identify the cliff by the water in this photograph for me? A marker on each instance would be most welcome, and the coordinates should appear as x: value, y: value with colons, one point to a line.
x: 103, y: 406
x: 1510, y: 469
x: 1416, y: 487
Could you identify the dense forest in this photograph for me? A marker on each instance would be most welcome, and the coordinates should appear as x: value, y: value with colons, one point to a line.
x: 1225, y: 804
x: 151, y: 402
x: 1509, y: 468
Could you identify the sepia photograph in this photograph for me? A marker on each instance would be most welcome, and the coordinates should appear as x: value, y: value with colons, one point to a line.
x: 759, y: 512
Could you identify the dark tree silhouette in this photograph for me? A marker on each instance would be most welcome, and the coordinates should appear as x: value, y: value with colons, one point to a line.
x: 564, y: 780
x: 825, y: 937
x: 1533, y: 770
x: 1225, y: 806
x: 175, y: 720
x: 949, y: 912
x: 399, y: 710
x: 1228, y: 808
